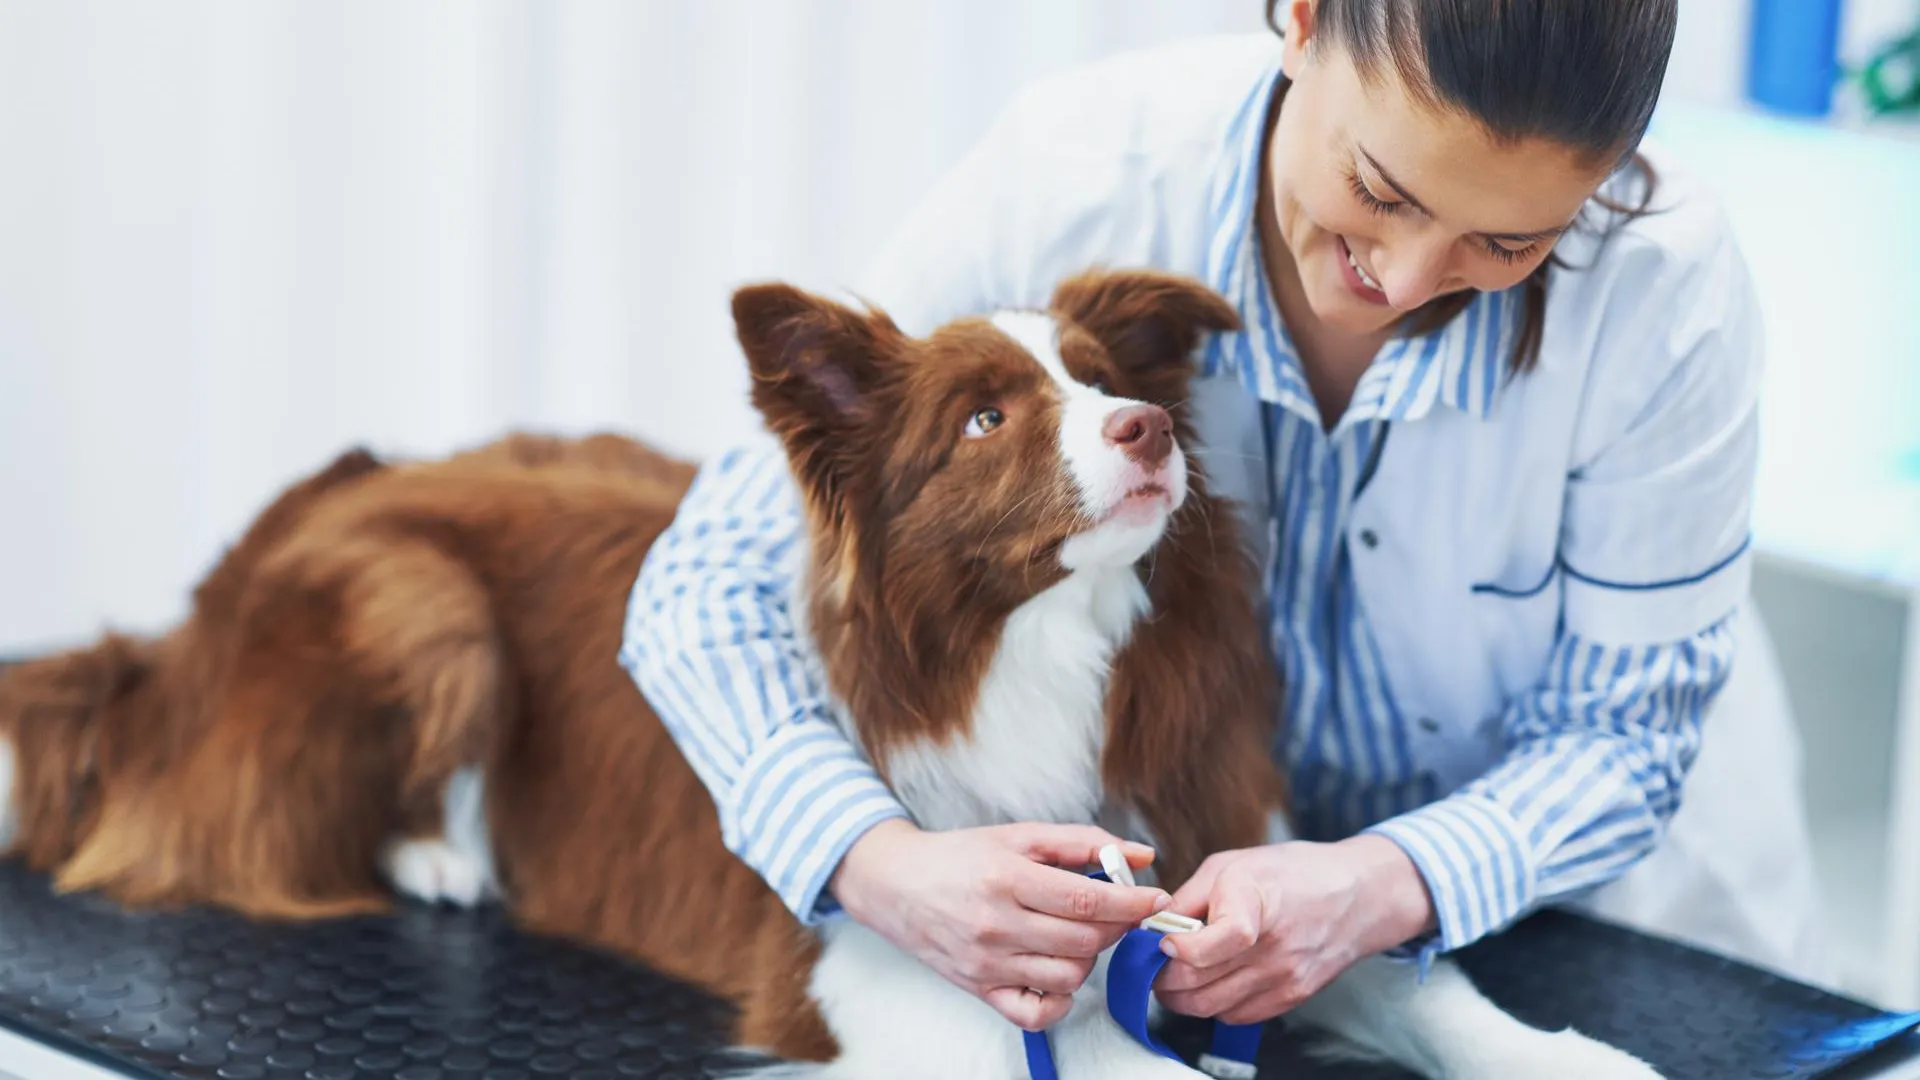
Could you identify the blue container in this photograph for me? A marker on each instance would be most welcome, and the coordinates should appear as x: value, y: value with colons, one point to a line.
x: 1793, y: 58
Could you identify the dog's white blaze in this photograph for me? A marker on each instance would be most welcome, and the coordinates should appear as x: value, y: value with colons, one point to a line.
x: 1101, y: 471
x: 1095, y: 465
x: 457, y: 866
x: 1039, y: 720
x: 9, y: 804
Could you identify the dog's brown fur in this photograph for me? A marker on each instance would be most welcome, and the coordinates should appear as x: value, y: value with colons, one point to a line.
x: 383, y: 624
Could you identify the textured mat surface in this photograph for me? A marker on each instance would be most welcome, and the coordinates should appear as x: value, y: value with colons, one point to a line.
x: 427, y: 995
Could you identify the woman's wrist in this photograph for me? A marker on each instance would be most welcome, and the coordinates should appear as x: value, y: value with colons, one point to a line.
x: 862, y: 869
x: 1396, y: 904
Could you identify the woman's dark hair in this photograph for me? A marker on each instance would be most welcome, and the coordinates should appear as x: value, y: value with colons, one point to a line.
x: 1583, y: 73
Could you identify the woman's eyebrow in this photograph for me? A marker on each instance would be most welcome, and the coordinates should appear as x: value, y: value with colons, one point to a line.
x: 1414, y: 201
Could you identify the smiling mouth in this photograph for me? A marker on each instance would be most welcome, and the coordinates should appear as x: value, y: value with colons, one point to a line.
x: 1361, y: 271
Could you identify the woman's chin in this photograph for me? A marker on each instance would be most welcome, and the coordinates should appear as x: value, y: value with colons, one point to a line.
x: 1342, y: 313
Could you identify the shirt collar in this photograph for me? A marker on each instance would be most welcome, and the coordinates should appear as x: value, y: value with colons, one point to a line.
x: 1462, y: 365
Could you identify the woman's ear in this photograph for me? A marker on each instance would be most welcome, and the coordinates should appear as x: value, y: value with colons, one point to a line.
x: 1295, y: 20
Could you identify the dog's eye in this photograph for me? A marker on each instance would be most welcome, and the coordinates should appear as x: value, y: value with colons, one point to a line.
x: 984, y: 421
x: 1101, y: 384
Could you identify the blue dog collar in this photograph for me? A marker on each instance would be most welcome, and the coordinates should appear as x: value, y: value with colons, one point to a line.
x: 1131, y: 971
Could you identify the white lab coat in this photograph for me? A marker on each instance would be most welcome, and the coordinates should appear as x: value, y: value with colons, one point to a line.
x: 1650, y: 360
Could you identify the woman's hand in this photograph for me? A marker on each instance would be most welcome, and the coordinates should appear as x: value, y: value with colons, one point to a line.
x: 1284, y: 920
x: 992, y: 910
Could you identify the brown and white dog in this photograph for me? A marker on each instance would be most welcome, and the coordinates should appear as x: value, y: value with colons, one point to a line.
x: 403, y: 675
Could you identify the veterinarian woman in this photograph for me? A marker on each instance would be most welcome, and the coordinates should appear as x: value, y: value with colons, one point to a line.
x: 1493, y: 430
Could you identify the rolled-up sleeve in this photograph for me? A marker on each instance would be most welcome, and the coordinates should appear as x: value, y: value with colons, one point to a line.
x: 1596, y: 759
x: 710, y: 637
x: 712, y: 643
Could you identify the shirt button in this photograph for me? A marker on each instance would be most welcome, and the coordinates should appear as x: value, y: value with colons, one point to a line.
x: 1370, y: 538
x: 1429, y: 725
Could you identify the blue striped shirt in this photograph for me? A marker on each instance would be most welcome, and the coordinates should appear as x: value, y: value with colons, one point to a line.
x: 1593, y: 756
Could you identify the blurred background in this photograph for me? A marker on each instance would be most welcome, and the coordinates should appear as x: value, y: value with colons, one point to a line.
x: 236, y: 237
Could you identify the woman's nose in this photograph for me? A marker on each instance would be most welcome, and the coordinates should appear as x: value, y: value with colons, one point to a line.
x: 1412, y: 272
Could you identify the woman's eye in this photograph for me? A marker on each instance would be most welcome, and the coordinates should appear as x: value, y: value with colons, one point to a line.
x: 1509, y: 255
x: 1366, y: 196
x: 985, y: 420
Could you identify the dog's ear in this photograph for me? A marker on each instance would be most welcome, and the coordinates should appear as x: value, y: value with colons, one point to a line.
x: 1147, y: 320
x: 822, y: 375
x: 51, y: 713
x: 77, y: 681
x: 60, y: 697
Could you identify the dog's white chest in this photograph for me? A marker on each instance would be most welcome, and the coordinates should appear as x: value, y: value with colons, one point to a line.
x: 1039, y: 721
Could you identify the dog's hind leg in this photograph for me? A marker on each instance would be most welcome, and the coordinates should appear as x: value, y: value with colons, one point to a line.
x: 420, y: 624
x: 1445, y: 1029
x: 456, y: 865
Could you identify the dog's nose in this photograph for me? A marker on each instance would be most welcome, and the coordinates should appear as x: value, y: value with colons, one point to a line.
x: 1145, y: 432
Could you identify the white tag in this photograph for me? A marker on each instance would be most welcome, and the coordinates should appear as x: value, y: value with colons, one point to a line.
x: 1115, y: 864
x: 1222, y: 1069
x: 1171, y: 922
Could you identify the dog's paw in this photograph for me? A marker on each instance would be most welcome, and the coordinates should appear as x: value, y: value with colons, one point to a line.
x: 1569, y: 1055
x: 1153, y: 1067
x: 436, y: 872
x: 1590, y: 1060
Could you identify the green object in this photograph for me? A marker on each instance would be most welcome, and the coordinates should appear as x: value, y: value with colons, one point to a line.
x: 1890, y: 81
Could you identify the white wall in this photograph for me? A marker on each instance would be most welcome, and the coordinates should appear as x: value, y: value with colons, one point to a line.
x: 238, y: 236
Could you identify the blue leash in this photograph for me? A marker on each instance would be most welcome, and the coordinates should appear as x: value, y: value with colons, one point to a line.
x: 1135, y: 964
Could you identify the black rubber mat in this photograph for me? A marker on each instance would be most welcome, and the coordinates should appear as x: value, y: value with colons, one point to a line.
x: 430, y: 994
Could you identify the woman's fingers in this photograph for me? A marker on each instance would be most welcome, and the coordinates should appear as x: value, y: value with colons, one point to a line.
x: 1051, y: 935
x: 1220, y: 996
x: 1233, y: 926
x: 1178, y: 977
x: 1196, y: 895
x: 1068, y: 895
x: 1074, y: 845
x: 1028, y: 1010
x: 1047, y: 974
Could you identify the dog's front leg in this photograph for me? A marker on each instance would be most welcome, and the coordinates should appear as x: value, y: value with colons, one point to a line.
x: 893, y: 1016
x: 1445, y: 1029
x: 1091, y: 1043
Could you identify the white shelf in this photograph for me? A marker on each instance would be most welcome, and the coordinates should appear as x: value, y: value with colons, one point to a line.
x: 1850, y: 650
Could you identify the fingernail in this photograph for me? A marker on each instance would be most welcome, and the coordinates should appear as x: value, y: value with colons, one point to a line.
x: 1163, y: 903
x: 1166, y: 946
